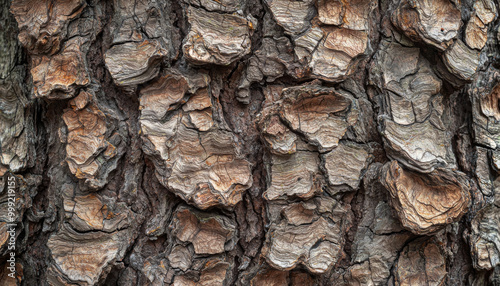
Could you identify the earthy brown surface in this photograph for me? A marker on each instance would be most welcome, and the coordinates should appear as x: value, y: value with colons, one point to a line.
x: 258, y: 142
x: 426, y: 202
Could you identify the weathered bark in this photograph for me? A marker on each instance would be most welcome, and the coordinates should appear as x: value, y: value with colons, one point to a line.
x: 259, y: 142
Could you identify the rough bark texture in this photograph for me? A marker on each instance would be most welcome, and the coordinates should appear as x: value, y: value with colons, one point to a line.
x: 257, y: 142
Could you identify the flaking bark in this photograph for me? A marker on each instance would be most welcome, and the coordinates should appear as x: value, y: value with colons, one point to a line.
x: 259, y: 142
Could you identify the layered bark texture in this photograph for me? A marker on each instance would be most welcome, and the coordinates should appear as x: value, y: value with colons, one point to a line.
x: 250, y: 142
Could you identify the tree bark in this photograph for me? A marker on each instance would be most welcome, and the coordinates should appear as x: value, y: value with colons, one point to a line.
x: 231, y: 142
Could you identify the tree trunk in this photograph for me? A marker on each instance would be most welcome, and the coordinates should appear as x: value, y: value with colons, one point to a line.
x: 249, y: 142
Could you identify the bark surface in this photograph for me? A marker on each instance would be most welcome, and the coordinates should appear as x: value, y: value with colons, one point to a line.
x: 258, y: 142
